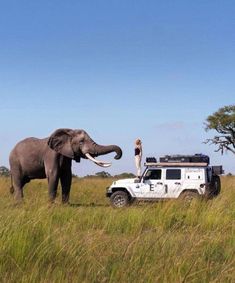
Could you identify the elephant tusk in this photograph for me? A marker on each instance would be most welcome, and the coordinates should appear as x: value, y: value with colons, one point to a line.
x: 98, y: 162
x: 104, y: 164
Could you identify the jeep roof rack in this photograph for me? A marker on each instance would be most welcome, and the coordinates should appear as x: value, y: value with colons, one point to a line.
x: 176, y: 164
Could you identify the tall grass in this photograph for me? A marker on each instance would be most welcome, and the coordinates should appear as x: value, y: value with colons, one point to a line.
x: 89, y: 241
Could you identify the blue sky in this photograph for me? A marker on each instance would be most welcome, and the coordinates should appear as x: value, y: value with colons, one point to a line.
x: 118, y: 69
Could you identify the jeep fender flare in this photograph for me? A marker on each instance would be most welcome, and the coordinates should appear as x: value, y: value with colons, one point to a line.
x: 190, y: 190
x: 123, y: 189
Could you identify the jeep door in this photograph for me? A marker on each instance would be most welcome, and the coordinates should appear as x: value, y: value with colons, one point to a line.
x: 153, y: 184
x: 173, y: 182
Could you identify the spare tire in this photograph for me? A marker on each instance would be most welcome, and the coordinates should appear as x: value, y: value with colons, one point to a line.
x: 215, y: 186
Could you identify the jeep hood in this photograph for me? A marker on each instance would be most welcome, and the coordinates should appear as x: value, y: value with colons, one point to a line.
x: 125, y: 181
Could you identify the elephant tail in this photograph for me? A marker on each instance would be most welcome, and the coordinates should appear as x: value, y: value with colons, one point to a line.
x: 12, y: 187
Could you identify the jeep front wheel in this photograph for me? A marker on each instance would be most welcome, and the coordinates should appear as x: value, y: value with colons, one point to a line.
x: 119, y: 199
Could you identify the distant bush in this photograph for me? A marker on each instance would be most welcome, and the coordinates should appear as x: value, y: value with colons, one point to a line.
x: 103, y: 174
x: 125, y: 175
x: 75, y: 176
x: 4, y: 171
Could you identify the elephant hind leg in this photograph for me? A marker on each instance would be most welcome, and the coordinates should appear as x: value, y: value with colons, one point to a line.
x: 12, y: 190
x: 18, y: 188
x: 18, y: 183
x: 12, y: 187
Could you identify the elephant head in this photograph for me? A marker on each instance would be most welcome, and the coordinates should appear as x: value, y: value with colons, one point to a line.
x: 77, y: 144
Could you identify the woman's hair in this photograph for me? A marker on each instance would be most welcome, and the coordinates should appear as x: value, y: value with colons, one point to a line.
x: 138, y: 142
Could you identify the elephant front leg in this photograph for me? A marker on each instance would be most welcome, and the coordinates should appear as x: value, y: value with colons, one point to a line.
x: 66, y: 180
x: 53, y: 180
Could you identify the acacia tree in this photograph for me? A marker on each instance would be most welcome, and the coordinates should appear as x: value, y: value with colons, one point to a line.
x: 223, y: 122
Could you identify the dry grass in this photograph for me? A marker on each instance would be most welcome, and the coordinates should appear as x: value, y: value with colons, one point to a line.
x: 89, y: 241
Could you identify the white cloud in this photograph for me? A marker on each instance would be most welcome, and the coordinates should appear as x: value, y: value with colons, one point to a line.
x: 170, y: 126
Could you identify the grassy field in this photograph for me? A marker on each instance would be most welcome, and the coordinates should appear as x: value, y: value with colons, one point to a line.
x: 89, y: 241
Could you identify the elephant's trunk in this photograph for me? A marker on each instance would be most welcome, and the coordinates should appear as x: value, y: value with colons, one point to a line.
x: 101, y: 150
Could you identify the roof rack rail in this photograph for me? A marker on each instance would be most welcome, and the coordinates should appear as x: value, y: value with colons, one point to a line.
x: 176, y: 164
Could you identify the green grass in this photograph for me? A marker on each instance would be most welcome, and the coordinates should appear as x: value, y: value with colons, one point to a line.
x: 89, y: 241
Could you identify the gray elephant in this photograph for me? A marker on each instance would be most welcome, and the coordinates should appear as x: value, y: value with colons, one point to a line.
x: 52, y: 157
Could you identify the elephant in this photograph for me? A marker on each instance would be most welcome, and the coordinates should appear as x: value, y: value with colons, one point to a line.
x: 51, y: 158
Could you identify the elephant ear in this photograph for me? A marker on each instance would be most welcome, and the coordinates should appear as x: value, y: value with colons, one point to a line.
x: 60, y: 141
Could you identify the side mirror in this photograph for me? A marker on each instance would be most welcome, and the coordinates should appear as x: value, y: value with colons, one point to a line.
x: 145, y: 178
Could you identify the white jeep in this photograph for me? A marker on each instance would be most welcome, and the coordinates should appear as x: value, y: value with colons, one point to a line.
x: 167, y: 180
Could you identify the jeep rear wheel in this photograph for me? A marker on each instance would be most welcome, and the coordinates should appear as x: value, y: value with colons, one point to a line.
x: 189, y: 196
x: 119, y: 199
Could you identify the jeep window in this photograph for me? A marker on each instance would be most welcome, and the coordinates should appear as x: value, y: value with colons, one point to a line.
x: 173, y: 174
x: 154, y: 174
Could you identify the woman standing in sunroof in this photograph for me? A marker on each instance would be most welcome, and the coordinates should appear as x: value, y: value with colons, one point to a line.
x: 138, y: 156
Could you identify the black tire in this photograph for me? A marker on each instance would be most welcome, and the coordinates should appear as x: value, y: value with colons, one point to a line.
x: 120, y: 199
x: 189, y: 196
x: 215, y: 186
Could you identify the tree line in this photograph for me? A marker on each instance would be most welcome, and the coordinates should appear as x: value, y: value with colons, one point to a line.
x: 5, y: 172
